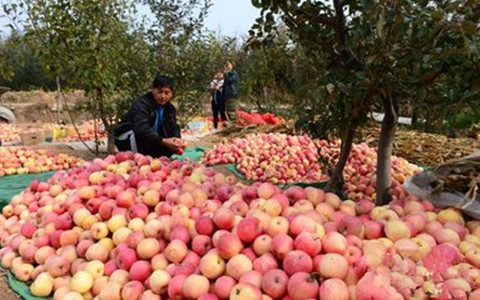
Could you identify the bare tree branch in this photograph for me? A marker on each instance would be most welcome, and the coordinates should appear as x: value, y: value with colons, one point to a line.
x: 340, y: 21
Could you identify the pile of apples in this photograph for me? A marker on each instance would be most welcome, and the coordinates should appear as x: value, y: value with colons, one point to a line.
x: 277, y: 158
x: 9, y: 133
x: 133, y: 227
x: 284, y: 159
x: 86, y: 131
x: 360, y: 174
x: 22, y: 160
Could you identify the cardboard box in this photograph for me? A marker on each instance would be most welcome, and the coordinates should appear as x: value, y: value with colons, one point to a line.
x: 32, y: 137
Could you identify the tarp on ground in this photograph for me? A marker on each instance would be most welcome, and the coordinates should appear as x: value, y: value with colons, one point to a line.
x: 442, y: 185
x: 10, y: 186
x: 14, y: 184
x: 192, y: 153
x: 7, y: 114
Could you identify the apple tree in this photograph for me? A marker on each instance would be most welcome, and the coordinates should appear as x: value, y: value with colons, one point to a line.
x: 20, y: 66
x: 272, y: 70
x: 6, y: 66
x: 92, y: 45
x: 376, y: 52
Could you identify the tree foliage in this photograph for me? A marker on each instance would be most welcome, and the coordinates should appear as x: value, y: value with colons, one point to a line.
x: 333, y: 62
x: 99, y: 47
x: 21, y: 68
x: 90, y: 44
x: 5, y: 64
x: 384, y: 53
x: 185, y: 50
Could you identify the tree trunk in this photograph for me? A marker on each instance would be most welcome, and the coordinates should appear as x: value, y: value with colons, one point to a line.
x: 259, y: 105
x: 107, y: 124
x: 346, y: 146
x: 384, y: 155
x: 109, y: 128
x: 110, y: 142
x: 62, y: 97
x: 428, y: 127
x: 414, y: 115
x: 95, y: 132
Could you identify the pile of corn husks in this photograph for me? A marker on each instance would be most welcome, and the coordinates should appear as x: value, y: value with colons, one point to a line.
x: 424, y: 148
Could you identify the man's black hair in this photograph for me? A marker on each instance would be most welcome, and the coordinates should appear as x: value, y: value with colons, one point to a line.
x: 163, y: 81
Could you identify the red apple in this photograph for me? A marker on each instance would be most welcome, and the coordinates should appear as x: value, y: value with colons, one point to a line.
x: 302, y: 285
x: 274, y: 283
x: 248, y: 229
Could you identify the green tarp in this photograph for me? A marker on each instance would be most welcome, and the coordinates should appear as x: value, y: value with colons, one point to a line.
x: 14, y: 184
x: 194, y: 154
x: 10, y: 186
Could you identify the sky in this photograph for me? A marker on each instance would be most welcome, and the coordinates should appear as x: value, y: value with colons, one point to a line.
x: 226, y: 17
x: 232, y: 17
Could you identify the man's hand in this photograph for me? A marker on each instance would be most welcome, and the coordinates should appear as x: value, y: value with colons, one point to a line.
x: 171, y: 144
x: 175, y: 144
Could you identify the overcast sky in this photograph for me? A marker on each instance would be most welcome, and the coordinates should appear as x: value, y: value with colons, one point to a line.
x: 228, y: 17
x: 232, y: 17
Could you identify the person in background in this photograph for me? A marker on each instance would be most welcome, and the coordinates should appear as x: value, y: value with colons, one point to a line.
x: 218, y: 103
x: 150, y: 125
x: 231, y: 89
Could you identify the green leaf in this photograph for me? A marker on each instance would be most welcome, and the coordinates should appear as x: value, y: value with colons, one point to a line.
x: 257, y: 3
x: 470, y: 27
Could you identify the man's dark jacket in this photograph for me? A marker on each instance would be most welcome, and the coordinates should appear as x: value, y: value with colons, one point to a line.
x: 141, y: 118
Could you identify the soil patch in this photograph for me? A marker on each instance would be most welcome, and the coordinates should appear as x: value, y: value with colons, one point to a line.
x: 5, y: 291
x: 41, y: 107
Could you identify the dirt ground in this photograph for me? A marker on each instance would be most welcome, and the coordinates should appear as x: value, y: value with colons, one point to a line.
x: 5, y: 292
x: 40, y: 107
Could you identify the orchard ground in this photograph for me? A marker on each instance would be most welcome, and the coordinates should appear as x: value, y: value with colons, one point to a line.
x: 206, y: 142
x: 5, y: 291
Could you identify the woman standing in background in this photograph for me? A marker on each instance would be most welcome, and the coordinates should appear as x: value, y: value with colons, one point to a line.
x: 231, y: 89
